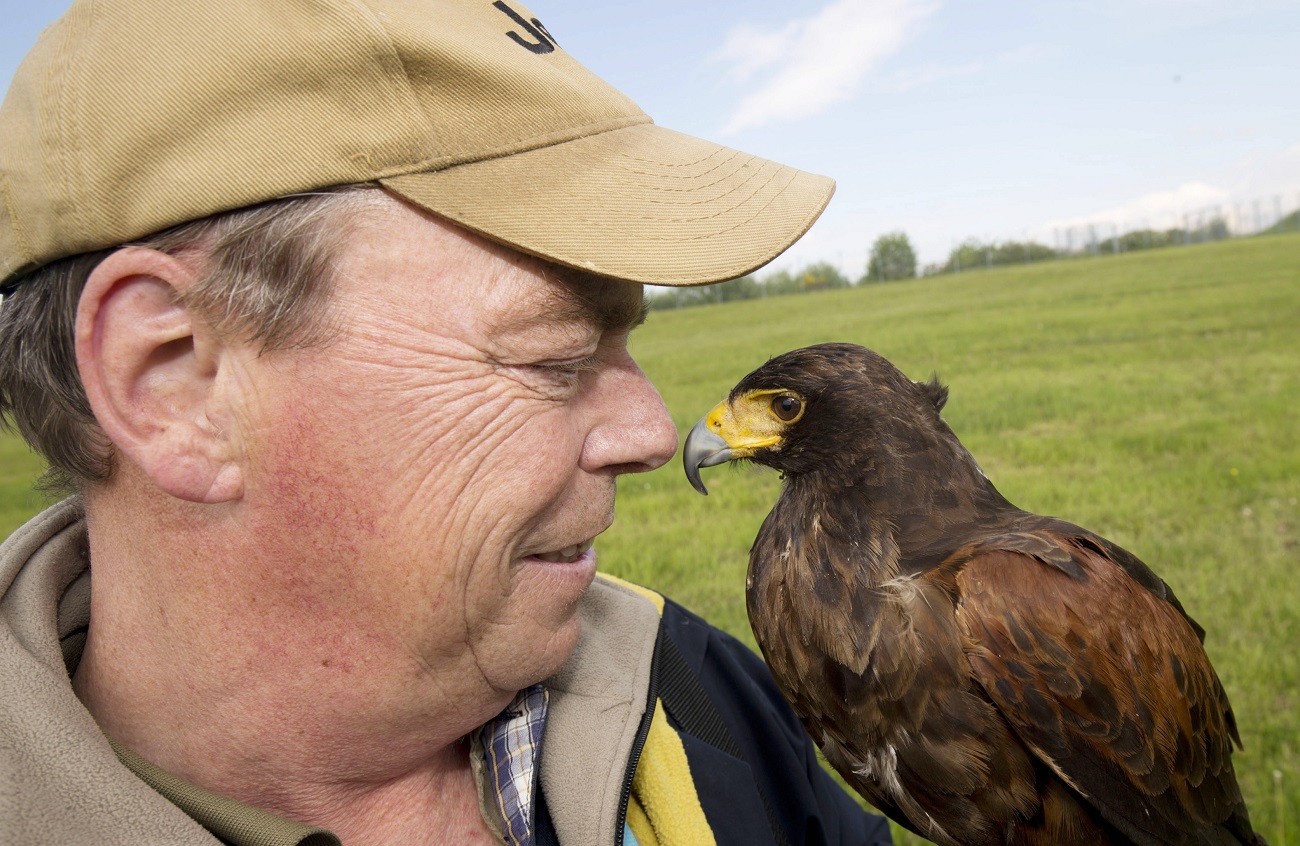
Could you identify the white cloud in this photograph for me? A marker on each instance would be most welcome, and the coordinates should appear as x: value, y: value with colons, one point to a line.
x: 1250, y: 194
x: 1156, y: 210
x: 810, y: 63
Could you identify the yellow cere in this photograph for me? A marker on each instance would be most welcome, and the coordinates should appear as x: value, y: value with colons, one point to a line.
x: 749, y: 423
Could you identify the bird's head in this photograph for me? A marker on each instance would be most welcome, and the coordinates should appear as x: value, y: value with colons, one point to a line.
x: 818, y: 408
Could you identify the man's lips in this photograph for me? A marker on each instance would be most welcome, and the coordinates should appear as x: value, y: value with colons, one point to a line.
x: 567, y: 555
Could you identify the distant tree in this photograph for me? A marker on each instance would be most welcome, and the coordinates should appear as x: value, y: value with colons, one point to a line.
x: 781, y: 282
x: 972, y: 254
x: 662, y: 300
x: 892, y: 257
x: 1290, y: 223
x: 822, y: 276
x: 744, y: 288
x: 671, y: 298
x: 968, y: 255
x: 1214, y: 230
x: 1021, y: 252
x: 1143, y: 239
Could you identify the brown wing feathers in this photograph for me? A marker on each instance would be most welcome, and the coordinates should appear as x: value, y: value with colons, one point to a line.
x: 1098, y: 697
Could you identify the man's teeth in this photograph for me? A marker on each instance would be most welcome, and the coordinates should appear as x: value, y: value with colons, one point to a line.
x: 568, y: 554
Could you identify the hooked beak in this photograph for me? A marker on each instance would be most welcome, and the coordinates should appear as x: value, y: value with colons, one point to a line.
x: 703, y: 448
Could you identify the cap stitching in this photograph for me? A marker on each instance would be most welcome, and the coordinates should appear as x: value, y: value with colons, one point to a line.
x: 390, y: 61
x: 692, y: 163
x: 596, y: 222
x: 682, y: 189
x: 73, y: 97
x: 772, y: 174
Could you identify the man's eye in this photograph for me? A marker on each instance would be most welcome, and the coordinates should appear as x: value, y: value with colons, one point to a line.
x: 570, y: 368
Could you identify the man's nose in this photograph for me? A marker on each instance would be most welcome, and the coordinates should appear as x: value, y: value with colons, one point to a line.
x: 635, y: 433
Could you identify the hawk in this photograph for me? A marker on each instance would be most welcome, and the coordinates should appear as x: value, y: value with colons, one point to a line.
x: 979, y: 673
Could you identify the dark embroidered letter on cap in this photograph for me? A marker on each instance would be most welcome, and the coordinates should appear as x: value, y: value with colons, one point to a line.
x: 544, y: 44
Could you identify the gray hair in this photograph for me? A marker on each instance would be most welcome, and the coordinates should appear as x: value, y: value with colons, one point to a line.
x: 266, y: 277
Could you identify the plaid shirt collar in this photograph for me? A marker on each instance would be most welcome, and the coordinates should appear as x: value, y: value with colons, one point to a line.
x: 512, y: 746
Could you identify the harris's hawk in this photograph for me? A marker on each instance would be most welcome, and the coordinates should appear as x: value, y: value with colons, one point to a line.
x: 979, y: 673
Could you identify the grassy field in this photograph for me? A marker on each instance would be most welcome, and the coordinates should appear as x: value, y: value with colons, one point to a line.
x: 1150, y: 397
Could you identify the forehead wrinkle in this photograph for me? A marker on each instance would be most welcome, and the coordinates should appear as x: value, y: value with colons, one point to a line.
x: 577, y: 297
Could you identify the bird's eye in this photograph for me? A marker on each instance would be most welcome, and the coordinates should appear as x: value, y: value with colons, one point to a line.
x: 786, y: 407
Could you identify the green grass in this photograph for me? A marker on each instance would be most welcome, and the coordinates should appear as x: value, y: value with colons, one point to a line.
x: 1151, y: 397
x: 19, y: 469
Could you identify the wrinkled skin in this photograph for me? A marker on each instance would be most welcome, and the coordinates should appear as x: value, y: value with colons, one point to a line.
x: 318, y: 568
x: 468, y: 428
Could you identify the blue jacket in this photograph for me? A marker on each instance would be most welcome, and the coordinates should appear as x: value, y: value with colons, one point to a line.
x: 751, y: 764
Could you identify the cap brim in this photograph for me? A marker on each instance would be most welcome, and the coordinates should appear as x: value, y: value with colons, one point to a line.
x: 640, y: 203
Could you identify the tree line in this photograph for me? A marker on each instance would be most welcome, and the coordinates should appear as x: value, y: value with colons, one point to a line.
x: 893, y: 258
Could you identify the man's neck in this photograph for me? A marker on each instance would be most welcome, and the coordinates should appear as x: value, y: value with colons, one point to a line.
x: 435, y: 805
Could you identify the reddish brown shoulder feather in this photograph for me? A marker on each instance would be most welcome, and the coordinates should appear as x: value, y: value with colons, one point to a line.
x: 1107, y: 683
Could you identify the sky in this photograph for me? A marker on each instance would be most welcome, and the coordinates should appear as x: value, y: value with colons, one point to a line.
x: 1000, y: 120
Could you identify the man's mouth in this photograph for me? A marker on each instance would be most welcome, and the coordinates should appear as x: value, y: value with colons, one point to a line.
x: 567, y: 555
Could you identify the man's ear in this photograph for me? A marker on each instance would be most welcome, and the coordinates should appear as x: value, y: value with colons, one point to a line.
x: 150, y: 372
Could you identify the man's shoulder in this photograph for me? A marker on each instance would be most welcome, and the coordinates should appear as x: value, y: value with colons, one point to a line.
x: 629, y: 612
x: 698, y: 640
x: 607, y: 588
x: 620, y: 624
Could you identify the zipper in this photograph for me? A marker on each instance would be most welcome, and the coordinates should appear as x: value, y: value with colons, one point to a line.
x: 639, y: 742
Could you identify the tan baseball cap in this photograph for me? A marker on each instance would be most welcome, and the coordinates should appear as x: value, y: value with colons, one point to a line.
x: 131, y: 116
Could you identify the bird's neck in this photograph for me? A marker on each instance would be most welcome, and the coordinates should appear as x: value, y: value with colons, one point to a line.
x: 904, y: 515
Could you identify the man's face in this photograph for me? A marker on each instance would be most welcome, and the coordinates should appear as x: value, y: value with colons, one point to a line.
x: 433, y: 477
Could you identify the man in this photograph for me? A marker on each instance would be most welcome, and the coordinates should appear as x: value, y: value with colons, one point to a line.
x: 322, y: 307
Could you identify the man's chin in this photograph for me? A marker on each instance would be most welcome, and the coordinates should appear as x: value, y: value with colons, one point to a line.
x: 539, y: 659
x: 541, y: 627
